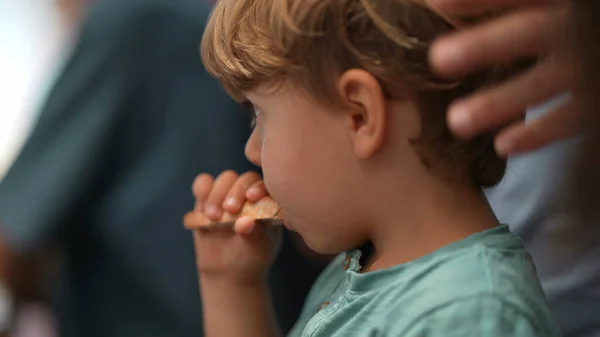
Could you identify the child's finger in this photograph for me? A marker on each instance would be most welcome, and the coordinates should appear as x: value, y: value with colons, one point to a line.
x: 201, y: 189
x: 256, y: 191
x: 220, y: 188
x: 244, y: 225
x: 255, y: 233
x: 195, y: 220
x: 237, y: 194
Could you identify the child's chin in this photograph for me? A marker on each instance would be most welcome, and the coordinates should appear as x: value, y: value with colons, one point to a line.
x: 320, y: 247
x: 288, y: 225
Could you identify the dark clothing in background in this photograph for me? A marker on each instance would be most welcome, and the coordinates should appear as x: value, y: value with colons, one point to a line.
x: 107, y: 174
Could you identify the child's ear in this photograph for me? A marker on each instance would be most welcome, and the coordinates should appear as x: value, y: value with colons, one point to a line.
x: 371, y: 113
x: 362, y: 92
x: 368, y: 113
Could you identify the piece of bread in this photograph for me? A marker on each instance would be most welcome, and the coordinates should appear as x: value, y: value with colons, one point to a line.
x: 265, y: 208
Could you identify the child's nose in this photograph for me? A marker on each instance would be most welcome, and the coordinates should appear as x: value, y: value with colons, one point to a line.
x: 253, y: 149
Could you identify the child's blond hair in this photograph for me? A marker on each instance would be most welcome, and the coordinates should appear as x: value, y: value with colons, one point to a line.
x: 312, y: 42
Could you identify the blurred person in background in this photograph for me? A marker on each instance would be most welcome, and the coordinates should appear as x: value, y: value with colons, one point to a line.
x: 33, y: 38
x: 73, y: 10
x: 558, y: 220
x: 104, y: 178
x: 531, y: 199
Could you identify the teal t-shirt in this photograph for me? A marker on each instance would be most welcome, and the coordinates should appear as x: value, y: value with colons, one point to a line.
x: 483, y: 286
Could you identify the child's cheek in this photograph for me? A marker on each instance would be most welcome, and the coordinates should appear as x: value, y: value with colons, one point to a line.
x: 278, y: 169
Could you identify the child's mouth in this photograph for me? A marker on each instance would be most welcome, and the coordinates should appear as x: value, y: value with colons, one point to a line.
x: 287, y: 225
x: 286, y: 222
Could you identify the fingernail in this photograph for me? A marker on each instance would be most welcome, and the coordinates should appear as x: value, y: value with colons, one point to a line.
x: 212, y: 211
x: 254, y: 190
x: 459, y: 119
x: 232, y: 202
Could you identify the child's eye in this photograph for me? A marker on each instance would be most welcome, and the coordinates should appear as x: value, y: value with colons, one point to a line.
x: 253, y: 111
x: 255, y: 114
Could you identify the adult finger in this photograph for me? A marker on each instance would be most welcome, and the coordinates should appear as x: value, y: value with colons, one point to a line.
x: 558, y: 124
x: 237, y: 194
x: 502, y: 104
x: 478, y: 6
x: 524, y: 34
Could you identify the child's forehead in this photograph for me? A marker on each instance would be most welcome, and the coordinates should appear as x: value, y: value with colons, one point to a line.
x: 261, y: 98
x: 257, y: 94
x: 272, y: 90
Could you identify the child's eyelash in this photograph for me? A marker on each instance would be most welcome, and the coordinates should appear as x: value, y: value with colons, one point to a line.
x: 250, y: 108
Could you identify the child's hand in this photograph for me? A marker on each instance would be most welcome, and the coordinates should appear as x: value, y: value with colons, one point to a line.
x: 243, y: 255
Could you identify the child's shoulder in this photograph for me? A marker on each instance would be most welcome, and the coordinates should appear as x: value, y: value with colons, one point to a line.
x: 486, y: 281
x: 492, y: 263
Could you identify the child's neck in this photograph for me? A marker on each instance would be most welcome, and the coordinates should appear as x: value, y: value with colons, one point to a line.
x: 434, y: 214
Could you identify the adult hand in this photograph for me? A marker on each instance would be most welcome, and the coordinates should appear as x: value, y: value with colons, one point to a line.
x: 529, y: 29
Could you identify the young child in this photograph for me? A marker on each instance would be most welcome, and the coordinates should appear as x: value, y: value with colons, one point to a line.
x: 351, y: 135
